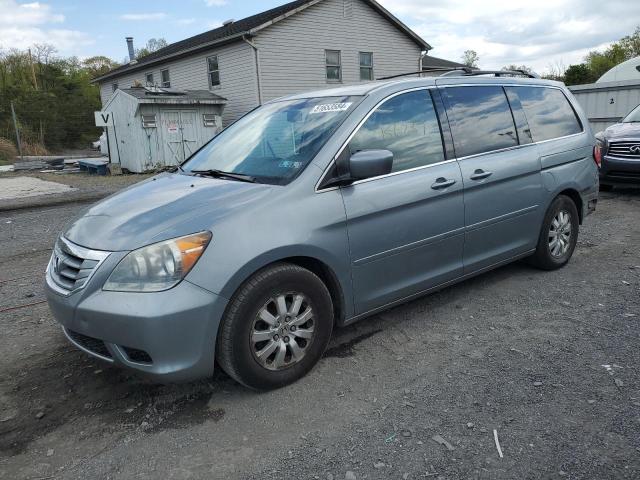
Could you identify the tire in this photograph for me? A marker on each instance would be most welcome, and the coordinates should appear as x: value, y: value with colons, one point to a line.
x: 549, y: 256
x: 252, y: 326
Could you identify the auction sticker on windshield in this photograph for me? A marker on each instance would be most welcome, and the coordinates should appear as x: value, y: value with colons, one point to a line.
x: 331, y: 107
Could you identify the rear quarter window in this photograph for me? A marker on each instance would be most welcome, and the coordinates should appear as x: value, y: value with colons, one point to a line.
x: 548, y: 112
x: 480, y: 118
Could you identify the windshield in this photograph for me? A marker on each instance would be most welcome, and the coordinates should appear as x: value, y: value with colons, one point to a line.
x: 633, y: 116
x: 275, y: 142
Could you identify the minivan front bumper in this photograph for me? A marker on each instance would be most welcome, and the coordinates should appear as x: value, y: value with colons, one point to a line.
x: 168, y: 336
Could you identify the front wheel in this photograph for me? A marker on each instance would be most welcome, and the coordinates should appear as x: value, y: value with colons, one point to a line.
x: 558, y: 236
x: 276, y: 327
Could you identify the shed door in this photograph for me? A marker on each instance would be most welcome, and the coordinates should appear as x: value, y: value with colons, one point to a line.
x: 172, y: 134
x: 180, y: 139
x: 189, y: 132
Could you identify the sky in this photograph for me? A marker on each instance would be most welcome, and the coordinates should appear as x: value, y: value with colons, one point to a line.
x: 542, y: 34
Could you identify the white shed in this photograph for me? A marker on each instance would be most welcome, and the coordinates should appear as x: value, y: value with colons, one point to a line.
x: 153, y: 127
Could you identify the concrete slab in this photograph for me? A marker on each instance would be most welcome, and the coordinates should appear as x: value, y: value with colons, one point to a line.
x: 20, y: 187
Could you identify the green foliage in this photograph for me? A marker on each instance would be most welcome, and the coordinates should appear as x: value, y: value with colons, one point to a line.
x: 470, y: 58
x: 578, y: 74
x: 53, y: 97
x: 98, y: 65
x: 601, y: 62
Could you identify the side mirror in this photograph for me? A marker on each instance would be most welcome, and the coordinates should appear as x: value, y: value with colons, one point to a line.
x: 370, y: 163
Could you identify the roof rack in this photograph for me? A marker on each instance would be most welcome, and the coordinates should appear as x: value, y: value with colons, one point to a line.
x: 464, y: 71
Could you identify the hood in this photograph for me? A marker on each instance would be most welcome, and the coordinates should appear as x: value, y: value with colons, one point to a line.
x: 623, y: 130
x: 163, y: 207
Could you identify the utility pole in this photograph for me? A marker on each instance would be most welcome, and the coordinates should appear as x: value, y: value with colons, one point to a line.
x: 33, y: 71
x: 15, y: 126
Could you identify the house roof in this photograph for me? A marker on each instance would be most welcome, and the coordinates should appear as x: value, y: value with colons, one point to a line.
x: 237, y: 29
x: 429, y: 61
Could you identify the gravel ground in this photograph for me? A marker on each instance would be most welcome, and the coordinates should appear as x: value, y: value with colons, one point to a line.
x: 549, y: 360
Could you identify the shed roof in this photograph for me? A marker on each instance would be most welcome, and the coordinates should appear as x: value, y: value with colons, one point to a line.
x: 246, y: 26
x: 173, y: 96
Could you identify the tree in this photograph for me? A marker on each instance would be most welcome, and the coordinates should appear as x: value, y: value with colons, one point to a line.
x: 470, y: 58
x: 99, y: 65
x: 631, y: 44
x: 513, y: 66
x: 578, y: 74
x: 601, y: 62
x: 43, y: 52
x: 153, y: 45
x: 57, y: 111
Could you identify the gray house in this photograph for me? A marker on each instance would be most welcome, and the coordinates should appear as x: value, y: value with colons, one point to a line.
x: 300, y: 46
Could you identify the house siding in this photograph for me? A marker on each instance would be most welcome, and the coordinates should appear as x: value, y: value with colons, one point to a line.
x: 292, y: 51
x: 237, y: 78
x: 291, y: 56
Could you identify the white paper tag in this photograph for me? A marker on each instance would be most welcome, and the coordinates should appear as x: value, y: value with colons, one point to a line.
x: 331, y: 107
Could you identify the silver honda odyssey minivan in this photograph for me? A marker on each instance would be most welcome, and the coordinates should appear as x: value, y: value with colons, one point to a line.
x: 317, y: 210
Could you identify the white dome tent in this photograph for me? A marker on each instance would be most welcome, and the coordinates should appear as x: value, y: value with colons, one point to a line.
x: 629, y: 70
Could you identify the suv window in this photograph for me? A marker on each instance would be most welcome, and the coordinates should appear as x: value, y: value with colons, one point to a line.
x: 407, y: 125
x: 548, y: 111
x: 481, y: 120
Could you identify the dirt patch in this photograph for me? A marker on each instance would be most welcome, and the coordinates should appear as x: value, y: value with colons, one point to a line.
x: 67, y: 386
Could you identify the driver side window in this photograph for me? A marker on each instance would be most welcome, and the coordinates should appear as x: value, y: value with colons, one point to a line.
x: 407, y: 125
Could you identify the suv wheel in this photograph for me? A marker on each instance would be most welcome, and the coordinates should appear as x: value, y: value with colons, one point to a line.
x: 276, y: 327
x: 558, y: 236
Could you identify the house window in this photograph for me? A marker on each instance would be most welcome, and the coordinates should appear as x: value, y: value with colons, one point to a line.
x: 149, y: 120
x: 149, y: 79
x: 209, y: 120
x: 366, y: 66
x: 164, y: 76
x: 333, y: 65
x: 114, y: 87
x: 213, y: 71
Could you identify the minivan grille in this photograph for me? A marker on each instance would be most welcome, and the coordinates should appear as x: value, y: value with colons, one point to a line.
x: 71, y: 266
x: 624, y: 149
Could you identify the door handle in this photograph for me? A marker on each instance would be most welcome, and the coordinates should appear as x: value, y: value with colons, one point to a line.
x: 442, y: 183
x: 479, y: 174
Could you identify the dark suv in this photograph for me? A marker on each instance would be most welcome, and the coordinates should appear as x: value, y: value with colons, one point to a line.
x: 618, y: 150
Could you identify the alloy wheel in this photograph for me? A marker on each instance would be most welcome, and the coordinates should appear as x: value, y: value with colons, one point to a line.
x: 282, y: 331
x: 560, y: 234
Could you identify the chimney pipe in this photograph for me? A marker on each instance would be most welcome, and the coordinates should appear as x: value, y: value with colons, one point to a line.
x: 132, y: 55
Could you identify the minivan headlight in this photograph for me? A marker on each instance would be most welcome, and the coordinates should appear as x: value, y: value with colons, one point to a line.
x: 159, y: 266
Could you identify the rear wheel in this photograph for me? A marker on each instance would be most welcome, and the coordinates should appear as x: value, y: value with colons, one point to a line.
x: 276, y: 327
x: 558, y: 236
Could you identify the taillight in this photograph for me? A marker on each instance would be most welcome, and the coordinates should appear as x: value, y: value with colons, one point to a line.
x: 597, y: 155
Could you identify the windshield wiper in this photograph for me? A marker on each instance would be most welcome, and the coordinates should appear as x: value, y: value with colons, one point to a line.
x: 220, y: 174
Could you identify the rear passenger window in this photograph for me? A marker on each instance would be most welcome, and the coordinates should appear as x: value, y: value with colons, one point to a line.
x: 549, y: 113
x: 406, y: 125
x: 480, y: 119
